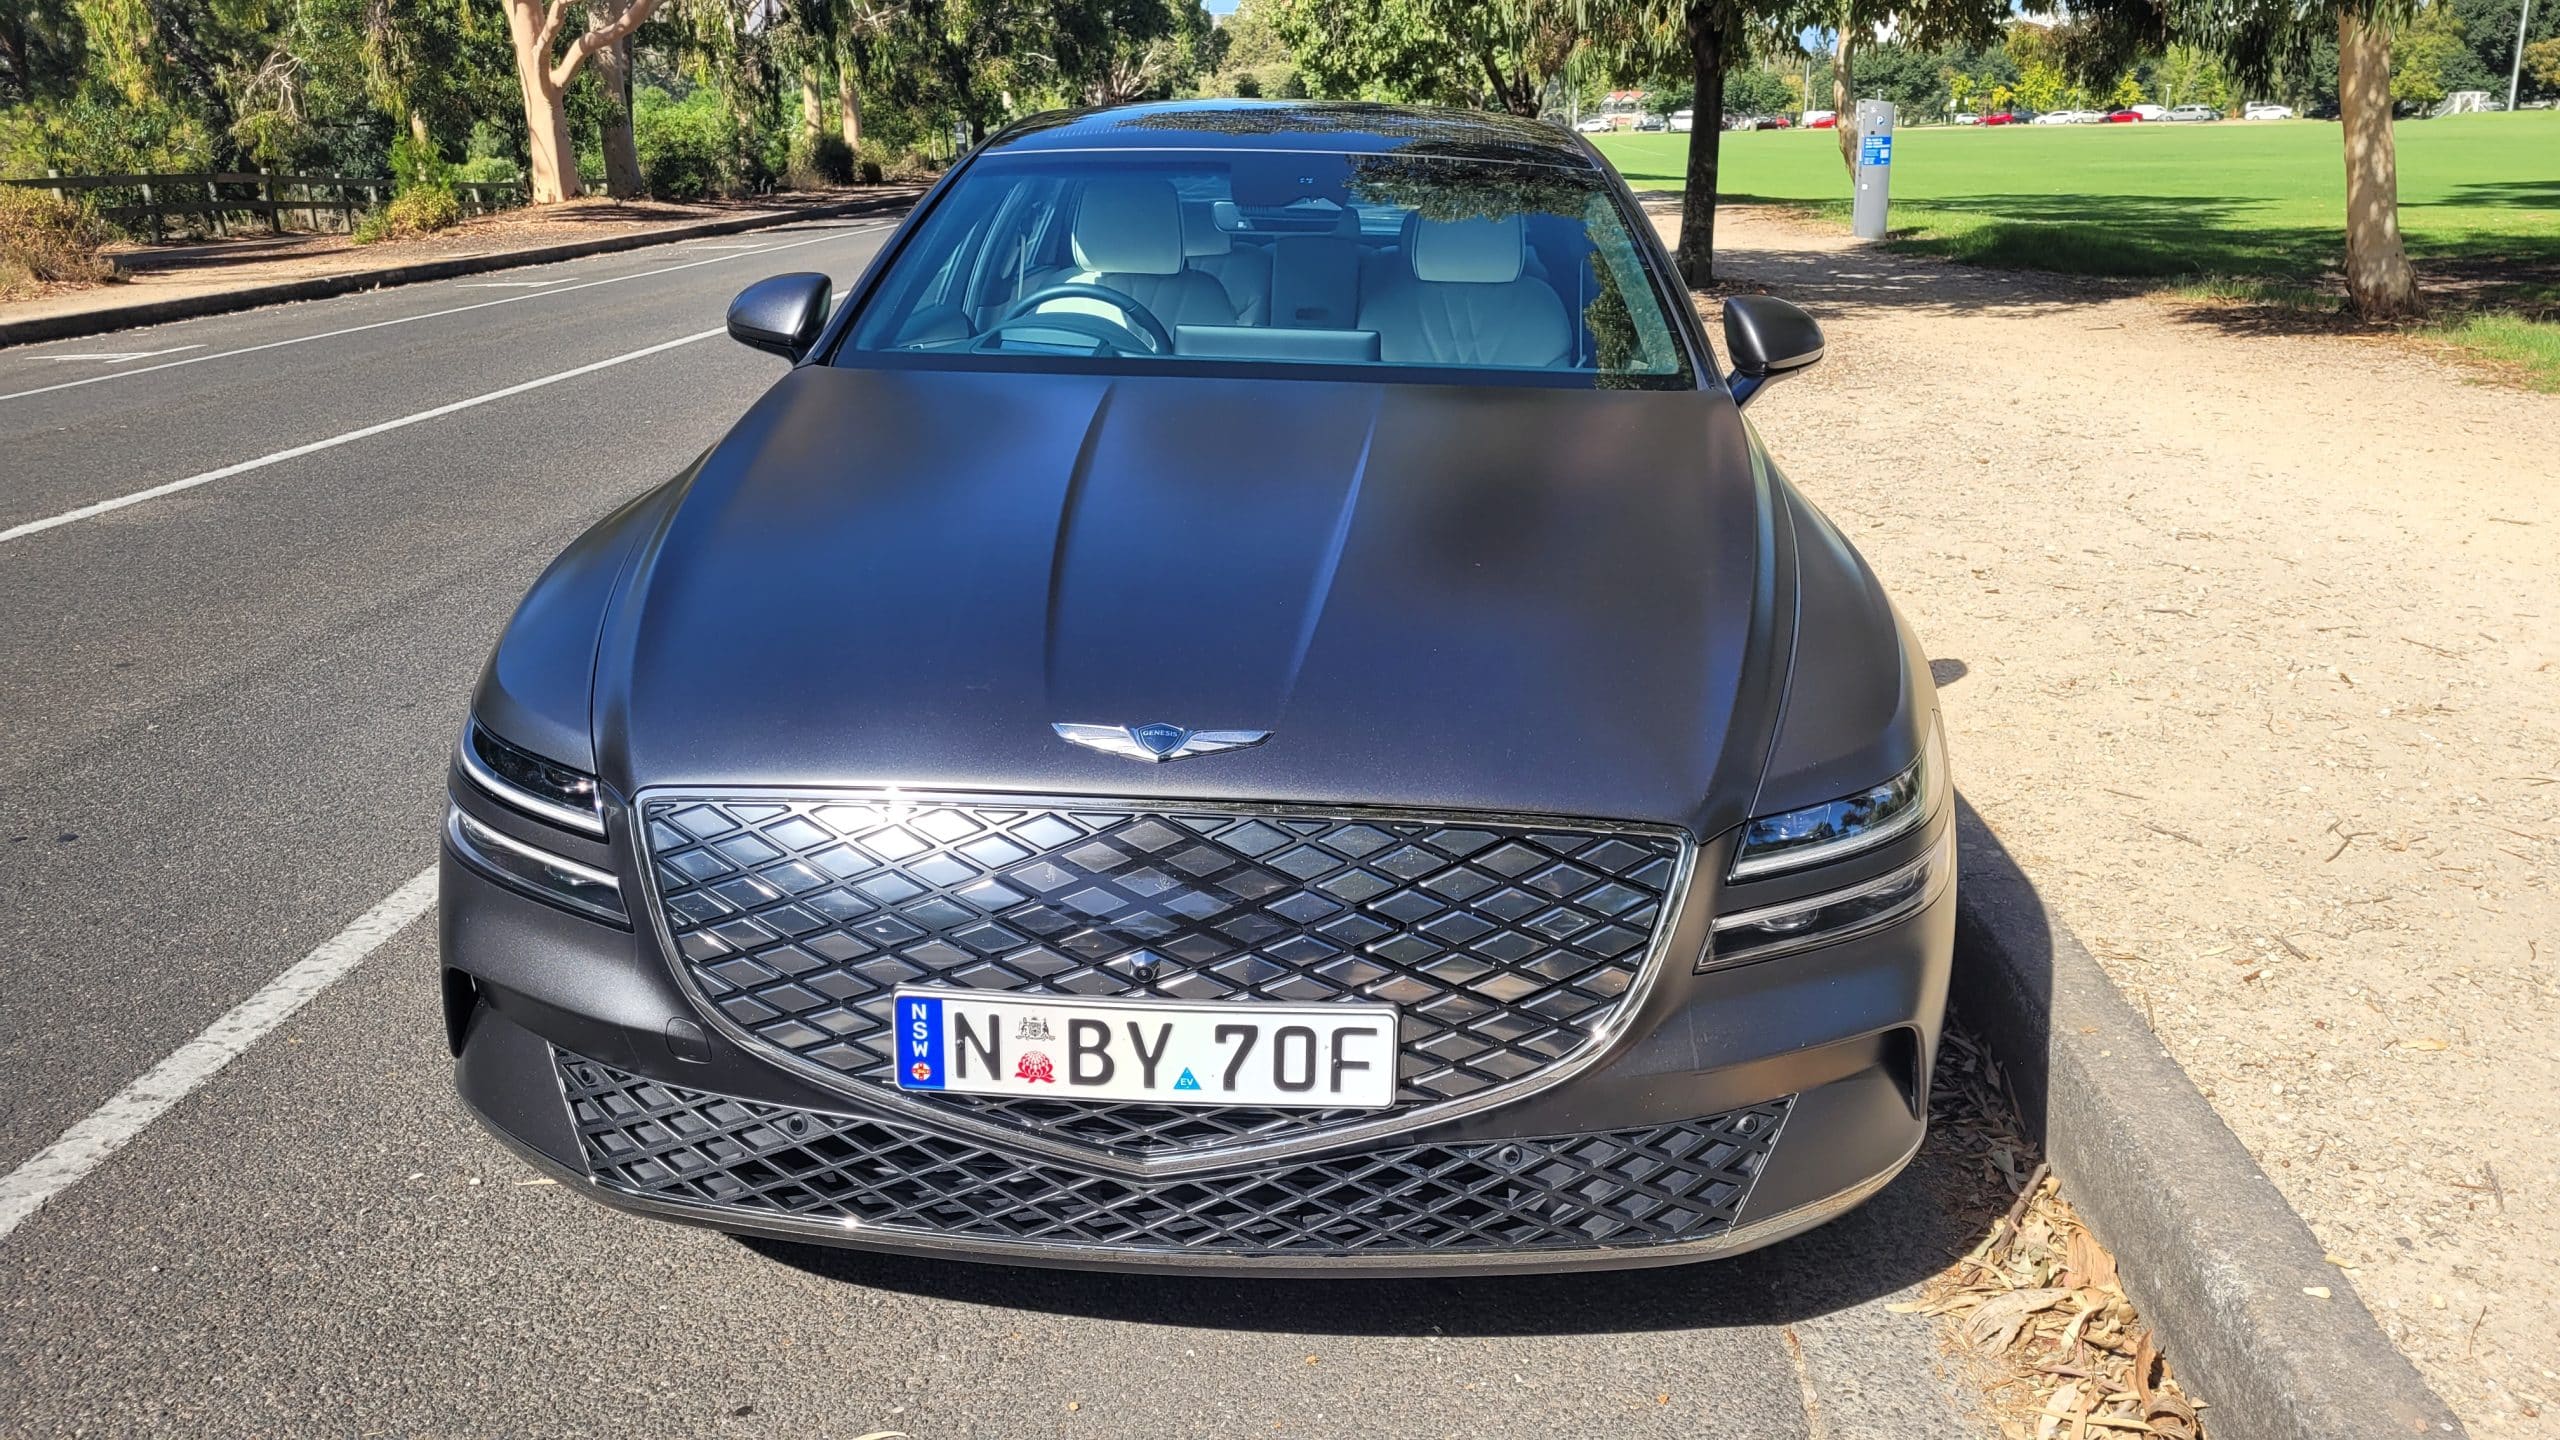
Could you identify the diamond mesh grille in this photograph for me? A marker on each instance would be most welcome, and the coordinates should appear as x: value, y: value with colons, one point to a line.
x: 1653, y: 1185
x: 1508, y: 947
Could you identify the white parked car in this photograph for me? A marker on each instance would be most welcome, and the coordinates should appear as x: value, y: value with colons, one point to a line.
x: 1596, y: 125
x: 2193, y: 112
x: 2262, y: 110
x: 1683, y: 121
x: 2056, y: 117
x: 2153, y: 114
x: 1968, y: 119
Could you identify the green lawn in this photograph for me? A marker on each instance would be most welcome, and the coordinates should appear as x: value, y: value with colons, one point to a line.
x: 2479, y: 194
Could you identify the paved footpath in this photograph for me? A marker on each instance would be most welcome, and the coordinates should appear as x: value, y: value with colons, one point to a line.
x: 249, y: 567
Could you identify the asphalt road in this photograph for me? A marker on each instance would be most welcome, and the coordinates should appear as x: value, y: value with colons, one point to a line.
x: 241, y: 609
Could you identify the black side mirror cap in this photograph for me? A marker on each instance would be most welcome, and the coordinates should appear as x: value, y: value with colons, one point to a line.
x: 782, y: 315
x: 1766, y: 337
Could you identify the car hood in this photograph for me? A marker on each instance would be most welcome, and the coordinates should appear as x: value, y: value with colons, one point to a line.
x: 1497, y: 598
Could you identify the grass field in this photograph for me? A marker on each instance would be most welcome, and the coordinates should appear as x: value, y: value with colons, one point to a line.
x: 2479, y: 194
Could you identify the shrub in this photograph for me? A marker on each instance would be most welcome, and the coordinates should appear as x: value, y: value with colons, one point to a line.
x: 419, y: 165
x: 880, y: 160
x: 685, y: 145
x: 820, y: 161
x: 486, y: 170
x: 419, y: 210
x: 85, y: 136
x: 45, y: 240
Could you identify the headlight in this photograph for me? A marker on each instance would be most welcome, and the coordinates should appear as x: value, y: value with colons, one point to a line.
x: 530, y: 783
x: 1837, y: 829
x: 534, y: 870
x: 1837, y: 915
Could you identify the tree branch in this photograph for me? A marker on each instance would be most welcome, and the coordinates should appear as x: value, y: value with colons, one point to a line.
x: 597, y: 39
x: 552, y: 19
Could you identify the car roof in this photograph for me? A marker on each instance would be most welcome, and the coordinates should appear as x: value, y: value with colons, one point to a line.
x: 1325, y: 126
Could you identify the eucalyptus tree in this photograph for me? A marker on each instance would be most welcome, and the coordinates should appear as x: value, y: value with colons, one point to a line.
x: 2259, y: 39
x: 1501, y: 54
x: 544, y: 68
x: 1852, y: 24
x: 1700, y: 41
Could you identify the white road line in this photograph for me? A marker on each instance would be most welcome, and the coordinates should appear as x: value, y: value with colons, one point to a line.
x: 102, y: 507
x: 439, y: 314
x: 119, y: 357
x: 109, y: 1128
x: 513, y: 284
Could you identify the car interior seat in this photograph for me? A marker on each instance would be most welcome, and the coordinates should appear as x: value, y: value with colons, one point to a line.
x: 1244, y: 271
x: 1463, y: 297
x: 1128, y: 236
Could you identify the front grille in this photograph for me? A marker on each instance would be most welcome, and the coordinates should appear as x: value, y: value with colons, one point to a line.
x: 1652, y: 1185
x: 1508, y: 947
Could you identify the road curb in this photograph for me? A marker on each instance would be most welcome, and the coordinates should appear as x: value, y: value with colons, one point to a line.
x: 320, y: 287
x: 2219, y: 1263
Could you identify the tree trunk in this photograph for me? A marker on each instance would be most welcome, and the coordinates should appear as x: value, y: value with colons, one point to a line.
x: 848, y: 96
x: 550, y: 152
x: 622, y: 177
x: 418, y: 129
x: 2379, y: 282
x: 812, y: 111
x: 1697, y: 253
x: 1843, y: 85
x: 551, y: 156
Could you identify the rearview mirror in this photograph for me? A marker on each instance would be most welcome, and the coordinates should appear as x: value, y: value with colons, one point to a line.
x: 1766, y: 337
x: 782, y: 315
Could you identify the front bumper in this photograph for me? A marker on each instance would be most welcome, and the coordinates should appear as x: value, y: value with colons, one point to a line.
x: 1755, y: 1103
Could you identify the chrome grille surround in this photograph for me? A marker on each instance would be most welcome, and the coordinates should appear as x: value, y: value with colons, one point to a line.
x: 712, y: 1155
x: 1515, y: 948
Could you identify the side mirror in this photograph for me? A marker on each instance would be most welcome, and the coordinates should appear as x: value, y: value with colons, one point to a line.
x: 1765, y: 337
x: 782, y: 315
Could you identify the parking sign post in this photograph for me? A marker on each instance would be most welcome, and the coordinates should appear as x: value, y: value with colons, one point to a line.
x: 1875, y: 168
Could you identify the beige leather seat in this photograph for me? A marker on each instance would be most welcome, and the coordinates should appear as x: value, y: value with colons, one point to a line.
x: 1462, y: 298
x: 1127, y: 236
x: 1245, y: 274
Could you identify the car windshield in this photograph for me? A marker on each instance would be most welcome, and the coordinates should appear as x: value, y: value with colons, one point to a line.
x: 1394, y: 265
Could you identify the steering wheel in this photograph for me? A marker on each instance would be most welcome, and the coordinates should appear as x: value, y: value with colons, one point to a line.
x: 1143, y: 326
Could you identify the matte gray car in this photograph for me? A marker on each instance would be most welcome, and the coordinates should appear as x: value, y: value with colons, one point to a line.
x: 1249, y: 702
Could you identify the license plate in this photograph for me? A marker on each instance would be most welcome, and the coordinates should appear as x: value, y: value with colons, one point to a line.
x: 1336, y: 1056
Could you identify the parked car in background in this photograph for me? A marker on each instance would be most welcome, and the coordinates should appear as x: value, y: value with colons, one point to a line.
x: 2152, y: 113
x: 2263, y: 110
x: 1778, y: 122
x: 1683, y: 121
x: 1821, y: 119
x: 2056, y: 117
x: 2188, y: 113
x: 1968, y: 119
x: 1652, y: 124
x: 2124, y: 117
x: 1595, y: 125
x: 2010, y: 117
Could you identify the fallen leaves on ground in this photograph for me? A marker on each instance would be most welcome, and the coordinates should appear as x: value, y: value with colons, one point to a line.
x: 2037, y: 1307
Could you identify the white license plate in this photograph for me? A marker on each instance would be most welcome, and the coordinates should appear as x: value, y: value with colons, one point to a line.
x: 1334, y: 1056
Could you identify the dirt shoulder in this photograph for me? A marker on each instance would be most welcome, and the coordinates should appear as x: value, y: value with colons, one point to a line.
x: 153, y: 273
x: 2249, y: 645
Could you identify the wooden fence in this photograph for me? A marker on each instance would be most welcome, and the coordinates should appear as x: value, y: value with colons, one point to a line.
x: 144, y: 204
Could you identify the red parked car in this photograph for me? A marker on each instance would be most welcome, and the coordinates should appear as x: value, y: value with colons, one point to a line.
x: 2005, y: 117
x: 2123, y: 117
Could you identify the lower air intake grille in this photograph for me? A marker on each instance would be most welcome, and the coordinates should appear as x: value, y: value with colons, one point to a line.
x: 1653, y: 1185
